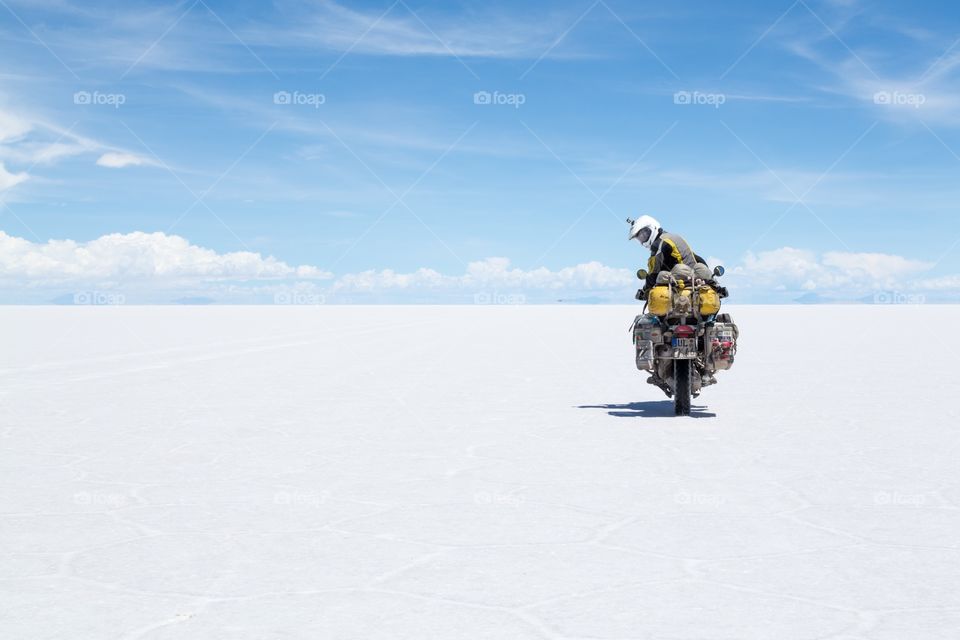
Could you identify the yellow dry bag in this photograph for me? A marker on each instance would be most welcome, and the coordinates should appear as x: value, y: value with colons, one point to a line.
x: 658, y: 301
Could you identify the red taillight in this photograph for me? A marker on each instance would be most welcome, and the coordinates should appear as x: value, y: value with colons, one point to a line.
x: 684, y: 331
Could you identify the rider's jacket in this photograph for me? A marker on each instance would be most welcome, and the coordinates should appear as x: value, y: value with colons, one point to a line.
x: 669, y: 250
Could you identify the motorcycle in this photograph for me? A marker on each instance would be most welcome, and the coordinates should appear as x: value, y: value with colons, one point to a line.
x: 681, y: 338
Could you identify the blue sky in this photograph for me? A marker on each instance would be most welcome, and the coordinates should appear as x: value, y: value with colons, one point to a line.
x: 241, y: 151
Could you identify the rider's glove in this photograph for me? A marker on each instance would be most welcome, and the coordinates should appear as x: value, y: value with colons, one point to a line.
x: 641, y: 294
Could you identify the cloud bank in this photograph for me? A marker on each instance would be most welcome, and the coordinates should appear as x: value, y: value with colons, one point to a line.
x: 138, y: 258
x: 157, y: 267
x: 837, y: 273
x: 492, y: 272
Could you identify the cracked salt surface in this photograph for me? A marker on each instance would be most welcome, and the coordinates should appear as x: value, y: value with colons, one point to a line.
x: 471, y: 472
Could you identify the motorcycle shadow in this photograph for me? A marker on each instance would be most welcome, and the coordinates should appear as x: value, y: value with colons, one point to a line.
x: 648, y: 409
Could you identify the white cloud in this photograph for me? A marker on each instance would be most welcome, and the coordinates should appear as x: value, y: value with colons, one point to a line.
x: 136, y: 258
x: 156, y: 267
x: 399, y: 32
x: 843, y: 274
x: 29, y: 140
x: 12, y: 127
x: 117, y: 160
x: 874, y: 267
x: 491, y: 273
x: 199, y: 44
x: 8, y: 180
x: 44, y: 153
x: 942, y: 283
x: 925, y: 93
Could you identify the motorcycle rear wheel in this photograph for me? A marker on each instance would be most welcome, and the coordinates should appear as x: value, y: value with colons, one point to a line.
x: 682, y: 391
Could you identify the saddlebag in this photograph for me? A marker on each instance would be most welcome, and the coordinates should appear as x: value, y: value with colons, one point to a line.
x: 720, y: 344
x: 647, y: 335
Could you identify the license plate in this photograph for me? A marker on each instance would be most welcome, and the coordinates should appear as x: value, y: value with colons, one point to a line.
x: 683, y: 346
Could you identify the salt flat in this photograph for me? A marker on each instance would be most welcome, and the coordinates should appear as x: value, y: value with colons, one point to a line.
x: 474, y: 472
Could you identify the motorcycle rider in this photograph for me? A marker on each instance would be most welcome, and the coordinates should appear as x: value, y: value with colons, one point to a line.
x: 667, y: 250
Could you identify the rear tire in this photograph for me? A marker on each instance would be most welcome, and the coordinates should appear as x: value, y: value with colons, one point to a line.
x: 681, y: 400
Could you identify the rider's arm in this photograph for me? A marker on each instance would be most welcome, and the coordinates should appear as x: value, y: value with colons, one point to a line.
x: 654, y: 266
x: 658, y: 261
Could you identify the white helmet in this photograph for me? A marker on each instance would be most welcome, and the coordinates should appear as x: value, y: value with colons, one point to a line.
x: 645, y: 229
